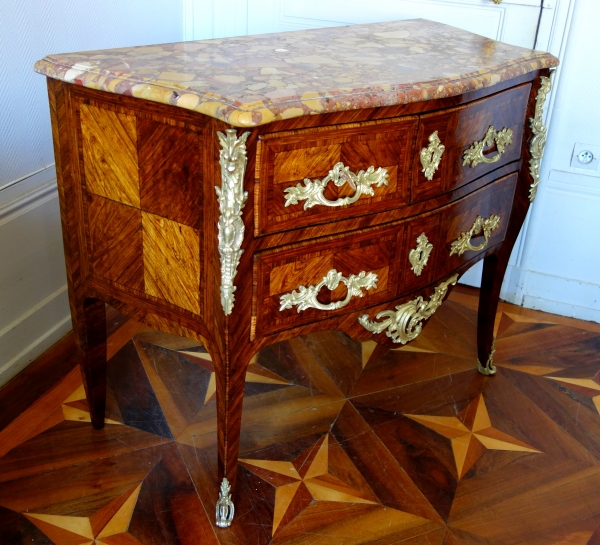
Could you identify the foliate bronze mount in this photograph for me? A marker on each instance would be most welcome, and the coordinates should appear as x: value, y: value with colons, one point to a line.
x: 419, y: 256
x: 432, y: 155
x: 405, y: 323
x: 538, y: 142
x: 485, y: 225
x: 502, y: 139
x: 224, y: 508
x: 232, y: 199
x: 306, y: 297
x: 489, y: 368
x: 312, y: 192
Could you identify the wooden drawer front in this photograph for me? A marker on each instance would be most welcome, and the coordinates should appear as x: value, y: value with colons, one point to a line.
x: 445, y: 226
x: 287, y: 159
x: 458, y: 129
x: 382, y: 251
x: 142, y: 202
x: 424, y: 270
x: 282, y: 272
x: 493, y: 200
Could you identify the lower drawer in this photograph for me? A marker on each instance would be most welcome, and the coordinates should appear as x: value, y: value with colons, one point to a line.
x: 315, y: 280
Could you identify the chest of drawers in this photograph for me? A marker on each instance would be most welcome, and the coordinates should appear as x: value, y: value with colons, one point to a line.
x: 244, y: 191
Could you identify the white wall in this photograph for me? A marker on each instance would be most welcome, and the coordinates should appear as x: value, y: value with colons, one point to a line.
x: 560, y: 266
x: 33, y: 305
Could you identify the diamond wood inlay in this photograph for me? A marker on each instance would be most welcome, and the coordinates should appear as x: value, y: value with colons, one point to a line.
x: 170, y: 171
x: 110, y: 158
x: 171, y: 261
x: 115, y: 241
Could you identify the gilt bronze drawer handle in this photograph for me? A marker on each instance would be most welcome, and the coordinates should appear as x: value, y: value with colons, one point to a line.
x: 502, y: 139
x: 432, y: 155
x: 419, y: 256
x: 404, y: 324
x: 463, y: 242
x: 306, y: 297
x: 312, y: 192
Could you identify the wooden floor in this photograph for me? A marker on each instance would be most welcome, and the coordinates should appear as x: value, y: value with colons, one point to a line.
x: 340, y: 444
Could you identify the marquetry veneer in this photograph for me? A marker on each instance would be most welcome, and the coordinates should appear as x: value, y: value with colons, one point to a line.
x: 430, y: 186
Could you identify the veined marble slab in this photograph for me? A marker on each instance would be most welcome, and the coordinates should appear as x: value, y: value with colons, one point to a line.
x: 253, y: 80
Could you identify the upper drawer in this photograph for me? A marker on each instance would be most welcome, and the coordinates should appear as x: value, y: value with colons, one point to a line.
x: 490, y: 129
x: 303, y: 175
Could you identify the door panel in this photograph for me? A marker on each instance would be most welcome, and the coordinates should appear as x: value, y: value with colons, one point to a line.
x: 480, y: 16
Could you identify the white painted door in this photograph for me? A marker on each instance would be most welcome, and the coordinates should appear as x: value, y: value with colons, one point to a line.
x: 513, y: 21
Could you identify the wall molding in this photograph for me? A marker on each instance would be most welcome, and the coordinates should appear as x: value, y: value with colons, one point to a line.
x: 32, y: 175
x: 28, y: 201
x: 577, y: 184
x: 206, y: 19
x: 50, y: 317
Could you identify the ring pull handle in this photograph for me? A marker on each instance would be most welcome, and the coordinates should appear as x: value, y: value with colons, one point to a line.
x: 463, y: 242
x: 306, y: 297
x: 502, y: 139
x: 312, y: 192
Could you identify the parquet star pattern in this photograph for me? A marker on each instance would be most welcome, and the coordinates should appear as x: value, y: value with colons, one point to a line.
x: 309, y: 472
x: 342, y: 442
x: 471, y: 433
x: 589, y: 387
x: 111, y: 520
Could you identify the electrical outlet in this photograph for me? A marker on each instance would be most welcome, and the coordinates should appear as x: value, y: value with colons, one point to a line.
x: 585, y: 157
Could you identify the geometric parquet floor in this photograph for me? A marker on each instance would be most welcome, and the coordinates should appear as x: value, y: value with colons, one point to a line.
x: 342, y: 443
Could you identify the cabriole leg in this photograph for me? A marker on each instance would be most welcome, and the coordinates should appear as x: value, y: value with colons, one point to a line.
x: 494, y: 267
x: 93, y: 365
x: 231, y: 380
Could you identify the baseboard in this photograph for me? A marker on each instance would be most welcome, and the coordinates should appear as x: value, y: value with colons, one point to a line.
x: 552, y: 294
x: 562, y: 296
x: 51, y: 318
x: 545, y: 292
x: 562, y: 309
x: 37, y: 379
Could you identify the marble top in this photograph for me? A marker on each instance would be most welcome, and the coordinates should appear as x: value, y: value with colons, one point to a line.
x: 252, y: 80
